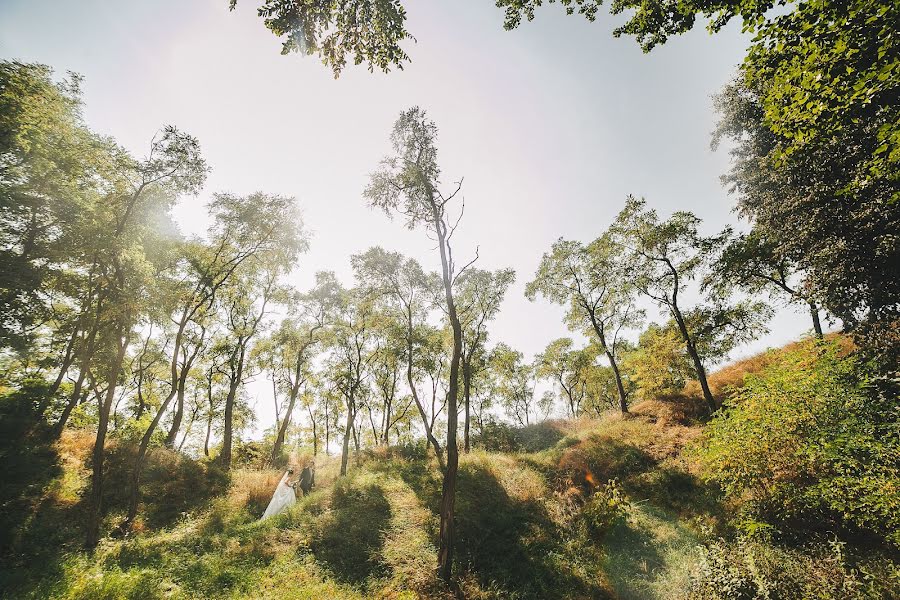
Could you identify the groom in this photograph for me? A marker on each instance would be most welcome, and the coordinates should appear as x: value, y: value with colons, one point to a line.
x: 306, y: 481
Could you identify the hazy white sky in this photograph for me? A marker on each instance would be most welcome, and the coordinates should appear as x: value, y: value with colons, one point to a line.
x: 551, y: 125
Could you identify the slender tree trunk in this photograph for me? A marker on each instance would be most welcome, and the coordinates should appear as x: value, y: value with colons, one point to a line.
x: 448, y: 488
x: 190, y: 426
x: 209, y: 421
x: 387, y: 423
x: 224, y: 457
x: 327, y: 431
x: 227, y: 434
x: 314, y: 434
x: 415, y: 394
x: 345, y: 447
x: 282, y: 430
x: 467, y: 388
x: 620, y: 388
x: 84, y: 367
x: 695, y: 358
x: 98, y: 456
x: 172, y: 435
x: 817, y: 324
x: 177, y: 418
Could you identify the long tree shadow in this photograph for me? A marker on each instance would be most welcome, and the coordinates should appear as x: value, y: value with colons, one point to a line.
x: 420, y: 475
x: 512, y: 545
x: 650, y: 555
x: 31, y: 531
x: 349, y: 540
x: 171, y: 484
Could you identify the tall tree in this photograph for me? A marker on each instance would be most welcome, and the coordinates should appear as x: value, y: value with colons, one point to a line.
x: 479, y: 295
x: 53, y: 170
x: 406, y: 293
x: 828, y: 207
x: 408, y: 184
x: 662, y: 258
x: 292, y: 348
x: 569, y: 368
x: 591, y: 280
x: 173, y: 167
x: 752, y: 263
x: 351, y: 339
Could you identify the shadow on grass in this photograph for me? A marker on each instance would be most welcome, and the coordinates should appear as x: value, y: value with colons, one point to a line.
x: 650, y: 556
x: 502, y: 437
x: 349, y: 541
x: 32, y: 529
x: 675, y: 490
x: 512, y: 545
x: 419, y: 474
x: 171, y: 484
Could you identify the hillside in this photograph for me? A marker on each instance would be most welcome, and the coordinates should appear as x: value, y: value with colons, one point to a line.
x: 540, y: 520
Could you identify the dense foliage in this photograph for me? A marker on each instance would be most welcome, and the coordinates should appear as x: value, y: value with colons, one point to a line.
x: 126, y: 348
x: 811, y: 438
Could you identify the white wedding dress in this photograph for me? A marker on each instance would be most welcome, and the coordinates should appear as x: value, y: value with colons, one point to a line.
x: 283, y: 497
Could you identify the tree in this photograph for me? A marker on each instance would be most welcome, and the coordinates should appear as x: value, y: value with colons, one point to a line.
x: 827, y: 206
x: 751, y: 263
x: 408, y: 183
x: 351, y: 339
x: 662, y: 257
x: 52, y: 172
x: 599, y: 294
x: 405, y: 291
x: 292, y: 349
x: 369, y: 31
x: 173, y: 167
x: 386, y: 368
x: 479, y: 294
x: 514, y: 383
x: 245, y: 305
x: 568, y: 368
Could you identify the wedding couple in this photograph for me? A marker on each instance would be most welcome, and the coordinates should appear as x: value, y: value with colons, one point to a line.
x: 285, y: 494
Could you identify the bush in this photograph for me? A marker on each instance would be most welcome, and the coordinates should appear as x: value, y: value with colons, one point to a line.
x: 810, y: 438
x: 604, y: 509
x: 753, y: 568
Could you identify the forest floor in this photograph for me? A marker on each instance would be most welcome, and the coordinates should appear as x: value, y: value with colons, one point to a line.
x: 520, y: 533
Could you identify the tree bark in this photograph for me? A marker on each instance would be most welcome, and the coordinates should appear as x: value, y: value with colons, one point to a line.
x: 695, y: 358
x: 467, y: 388
x: 98, y: 455
x: 448, y: 488
x: 345, y: 447
x: 282, y: 430
x: 817, y: 324
x: 620, y: 387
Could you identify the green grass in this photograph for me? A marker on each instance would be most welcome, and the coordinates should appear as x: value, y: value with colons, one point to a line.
x: 651, y: 555
x: 373, y: 534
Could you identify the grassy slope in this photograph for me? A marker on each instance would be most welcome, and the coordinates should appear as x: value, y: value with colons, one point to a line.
x: 372, y: 534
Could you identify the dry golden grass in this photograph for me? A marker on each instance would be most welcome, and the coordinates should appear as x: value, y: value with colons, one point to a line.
x: 253, y: 489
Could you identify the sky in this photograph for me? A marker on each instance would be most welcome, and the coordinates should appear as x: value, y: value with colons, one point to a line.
x: 551, y: 126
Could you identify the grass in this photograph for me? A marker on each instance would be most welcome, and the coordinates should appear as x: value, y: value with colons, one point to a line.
x: 651, y: 555
x: 373, y: 534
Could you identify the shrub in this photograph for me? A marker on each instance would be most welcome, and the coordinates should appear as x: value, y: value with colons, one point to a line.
x: 810, y: 438
x: 604, y: 509
x: 753, y: 568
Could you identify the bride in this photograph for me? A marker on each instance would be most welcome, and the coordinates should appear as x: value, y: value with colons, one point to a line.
x: 283, y: 497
